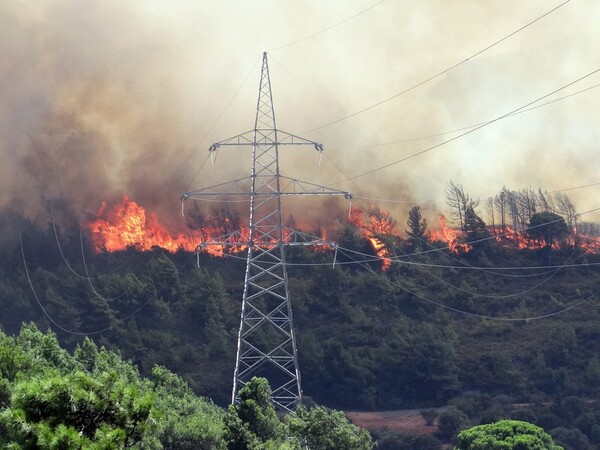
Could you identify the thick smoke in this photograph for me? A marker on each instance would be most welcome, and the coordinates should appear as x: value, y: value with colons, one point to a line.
x: 105, y: 99
x: 100, y: 104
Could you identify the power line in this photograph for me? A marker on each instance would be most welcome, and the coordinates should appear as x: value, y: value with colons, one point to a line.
x: 368, y: 258
x: 383, y: 200
x: 525, y: 291
x: 480, y: 316
x: 576, y: 187
x: 443, y: 133
x: 430, y: 202
x: 326, y: 29
x: 197, y: 172
x: 195, y: 149
x: 468, y: 132
x: 465, y: 265
x: 439, y: 73
x: 73, y: 332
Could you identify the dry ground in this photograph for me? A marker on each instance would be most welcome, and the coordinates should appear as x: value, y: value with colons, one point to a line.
x: 402, y: 421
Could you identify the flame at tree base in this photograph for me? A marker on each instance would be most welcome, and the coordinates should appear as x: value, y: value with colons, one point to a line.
x: 451, y: 237
x: 383, y: 224
x: 128, y: 225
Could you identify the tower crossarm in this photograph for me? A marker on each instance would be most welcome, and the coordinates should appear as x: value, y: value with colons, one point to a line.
x: 290, y: 186
x: 292, y: 238
x: 265, y: 136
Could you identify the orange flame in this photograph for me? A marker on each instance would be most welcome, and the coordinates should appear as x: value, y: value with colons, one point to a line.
x: 379, y: 225
x: 450, y: 236
x: 128, y: 225
x: 506, y: 235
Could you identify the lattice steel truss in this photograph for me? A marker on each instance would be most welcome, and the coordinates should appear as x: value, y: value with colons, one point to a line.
x: 266, y: 342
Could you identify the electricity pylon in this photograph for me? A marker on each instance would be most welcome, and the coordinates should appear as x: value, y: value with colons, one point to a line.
x: 266, y: 342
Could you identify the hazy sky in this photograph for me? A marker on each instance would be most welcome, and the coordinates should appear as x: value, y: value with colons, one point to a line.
x: 147, y: 82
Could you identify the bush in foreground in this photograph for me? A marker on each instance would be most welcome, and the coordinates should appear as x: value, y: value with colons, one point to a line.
x: 505, y: 435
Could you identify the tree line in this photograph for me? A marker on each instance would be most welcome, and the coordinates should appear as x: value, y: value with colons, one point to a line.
x: 93, y: 399
x: 412, y: 336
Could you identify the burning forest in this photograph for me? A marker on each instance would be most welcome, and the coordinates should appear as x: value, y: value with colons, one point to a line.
x: 128, y: 224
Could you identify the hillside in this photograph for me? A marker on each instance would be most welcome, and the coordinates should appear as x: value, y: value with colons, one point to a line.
x: 478, y: 335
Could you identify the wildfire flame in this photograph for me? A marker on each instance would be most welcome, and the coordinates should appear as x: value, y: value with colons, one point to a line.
x: 379, y: 225
x: 129, y: 225
x: 451, y: 237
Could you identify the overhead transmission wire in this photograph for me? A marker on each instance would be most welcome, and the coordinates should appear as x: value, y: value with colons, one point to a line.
x: 64, y: 258
x: 368, y: 258
x: 317, y: 100
x: 391, y: 200
x: 81, y: 235
x: 576, y: 187
x: 488, y: 270
x: 41, y: 152
x: 374, y: 258
x: 475, y: 241
x: 443, y: 133
x: 433, y: 147
x: 81, y: 238
x: 401, y: 259
x: 480, y: 316
x: 355, y: 196
x: 310, y: 36
x: 554, y: 272
x: 465, y: 265
x: 55, y: 176
x: 556, y: 268
x: 442, y: 72
x: 197, y: 171
x: 44, y: 156
x: 74, y: 332
x: 92, y: 287
x: 383, y: 200
x: 514, y: 294
x: 359, y: 197
x: 195, y: 149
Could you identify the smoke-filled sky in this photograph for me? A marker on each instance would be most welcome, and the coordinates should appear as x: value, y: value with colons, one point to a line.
x: 104, y: 98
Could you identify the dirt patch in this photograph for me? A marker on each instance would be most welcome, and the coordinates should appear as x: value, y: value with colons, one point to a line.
x: 403, y: 421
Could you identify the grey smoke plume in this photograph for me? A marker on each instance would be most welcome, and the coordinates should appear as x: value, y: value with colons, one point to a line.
x: 101, y: 99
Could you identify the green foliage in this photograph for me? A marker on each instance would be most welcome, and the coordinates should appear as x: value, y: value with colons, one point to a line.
x: 253, y: 420
x: 93, y: 399
x: 450, y: 422
x: 417, y: 229
x: 253, y: 424
x: 570, y: 438
x: 371, y: 335
x: 322, y: 429
x: 187, y: 422
x: 400, y: 441
x: 505, y: 435
x: 476, y: 232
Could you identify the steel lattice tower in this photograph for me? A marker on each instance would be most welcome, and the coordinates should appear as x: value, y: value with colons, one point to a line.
x: 266, y: 342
